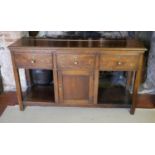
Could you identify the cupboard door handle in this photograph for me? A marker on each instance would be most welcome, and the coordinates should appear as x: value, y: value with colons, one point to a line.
x: 60, y: 88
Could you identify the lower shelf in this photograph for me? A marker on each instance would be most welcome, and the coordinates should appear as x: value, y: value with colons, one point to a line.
x: 116, y: 96
x: 146, y: 101
x: 44, y: 96
x: 39, y: 95
x: 112, y: 90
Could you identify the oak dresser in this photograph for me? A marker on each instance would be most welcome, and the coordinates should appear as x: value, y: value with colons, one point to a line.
x: 76, y: 66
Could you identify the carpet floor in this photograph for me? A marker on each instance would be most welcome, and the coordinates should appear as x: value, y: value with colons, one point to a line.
x: 76, y: 115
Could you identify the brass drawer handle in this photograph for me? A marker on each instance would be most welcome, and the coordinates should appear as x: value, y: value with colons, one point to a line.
x: 33, y: 61
x: 75, y: 62
x: 119, y: 63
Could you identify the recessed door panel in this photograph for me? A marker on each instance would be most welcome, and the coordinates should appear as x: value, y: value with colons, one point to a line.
x: 76, y: 87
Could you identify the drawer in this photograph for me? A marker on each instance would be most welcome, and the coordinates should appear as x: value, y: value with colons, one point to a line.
x: 75, y: 61
x: 32, y: 61
x: 119, y: 62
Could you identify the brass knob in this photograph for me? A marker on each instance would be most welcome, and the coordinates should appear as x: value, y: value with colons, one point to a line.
x: 75, y: 62
x: 119, y: 63
x: 33, y: 61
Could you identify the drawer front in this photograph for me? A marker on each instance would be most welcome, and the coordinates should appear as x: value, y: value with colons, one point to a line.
x: 119, y: 62
x: 75, y: 61
x: 32, y: 61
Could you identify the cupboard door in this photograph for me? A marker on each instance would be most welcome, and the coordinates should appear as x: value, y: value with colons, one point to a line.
x: 76, y: 87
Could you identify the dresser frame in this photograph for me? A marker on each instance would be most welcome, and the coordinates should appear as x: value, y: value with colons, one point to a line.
x: 76, y: 65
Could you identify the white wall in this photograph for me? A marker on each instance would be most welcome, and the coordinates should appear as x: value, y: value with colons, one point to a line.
x: 7, y: 38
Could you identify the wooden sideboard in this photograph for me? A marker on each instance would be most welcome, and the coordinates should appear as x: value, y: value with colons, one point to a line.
x: 76, y: 65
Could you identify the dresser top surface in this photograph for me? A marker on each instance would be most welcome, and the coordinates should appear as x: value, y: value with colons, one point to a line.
x: 59, y: 43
